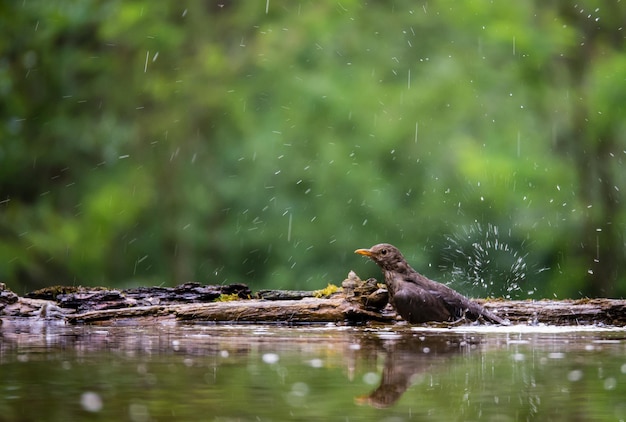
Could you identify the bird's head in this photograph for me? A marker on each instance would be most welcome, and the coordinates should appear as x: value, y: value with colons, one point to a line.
x: 387, y: 256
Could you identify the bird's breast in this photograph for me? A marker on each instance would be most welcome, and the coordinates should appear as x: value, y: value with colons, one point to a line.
x: 393, y: 281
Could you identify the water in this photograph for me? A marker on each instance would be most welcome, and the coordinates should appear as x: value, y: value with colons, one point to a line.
x: 279, y: 373
x: 487, y: 260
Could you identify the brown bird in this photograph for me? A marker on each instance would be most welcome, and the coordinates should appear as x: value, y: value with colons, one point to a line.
x: 418, y: 299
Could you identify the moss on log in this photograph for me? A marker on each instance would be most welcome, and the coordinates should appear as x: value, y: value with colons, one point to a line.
x: 359, y: 301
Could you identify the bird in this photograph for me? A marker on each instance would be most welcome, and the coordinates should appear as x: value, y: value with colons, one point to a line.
x: 416, y: 298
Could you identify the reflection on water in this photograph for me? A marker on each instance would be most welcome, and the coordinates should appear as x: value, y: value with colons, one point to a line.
x: 410, y: 359
x: 218, y: 372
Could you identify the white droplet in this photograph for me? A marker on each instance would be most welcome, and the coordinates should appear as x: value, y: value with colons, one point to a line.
x: 270, y: 358
x: 91, y: 402
x: 610, y: 383
x: 575, y: 375
x: 316, y: 363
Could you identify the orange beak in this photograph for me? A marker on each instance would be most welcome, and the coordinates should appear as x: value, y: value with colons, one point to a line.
x: 364, y: 252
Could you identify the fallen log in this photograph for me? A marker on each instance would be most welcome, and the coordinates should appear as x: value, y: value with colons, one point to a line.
x: 312, y: 310
x: 356, y: 302
x: 561, y: 312
x: 84, y: 299
x: 307, y: 310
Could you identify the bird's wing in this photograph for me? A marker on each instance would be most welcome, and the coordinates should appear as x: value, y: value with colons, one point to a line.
x: 458, y: 305
x: 417, y: 305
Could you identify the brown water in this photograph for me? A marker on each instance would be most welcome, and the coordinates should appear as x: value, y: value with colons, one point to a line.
x: 326, y: 373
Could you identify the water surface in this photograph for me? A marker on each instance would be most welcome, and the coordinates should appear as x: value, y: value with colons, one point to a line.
x: 277, y: 373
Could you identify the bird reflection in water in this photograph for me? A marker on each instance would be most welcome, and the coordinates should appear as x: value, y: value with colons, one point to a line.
x: 410, y: 358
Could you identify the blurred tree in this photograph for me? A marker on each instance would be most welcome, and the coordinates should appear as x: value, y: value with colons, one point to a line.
x: 255, y: 142
x: 593, y: 140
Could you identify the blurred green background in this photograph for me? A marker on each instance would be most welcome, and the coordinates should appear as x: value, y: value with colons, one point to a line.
x: 155, y: 143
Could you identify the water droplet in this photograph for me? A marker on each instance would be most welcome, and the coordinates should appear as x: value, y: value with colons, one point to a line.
x: 91, y: 402
x: 575, y: 375
x: 270, y: 358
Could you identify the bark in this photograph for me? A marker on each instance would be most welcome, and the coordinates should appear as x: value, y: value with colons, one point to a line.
x: 562, y: 312
x: 358, y: 302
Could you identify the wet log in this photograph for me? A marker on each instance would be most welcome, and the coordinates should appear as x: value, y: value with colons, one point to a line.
x: 310, y: 310
x: 561, y: 312
x: 307, y: 310
x: 357, y: 301
x: 549, y: 312
x: 284, y: 294
x: 84, y: 299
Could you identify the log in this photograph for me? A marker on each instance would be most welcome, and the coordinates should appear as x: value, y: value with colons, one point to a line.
x: 307, y: 310
x: 561, y: 312
x: 84, y: 299
x: 357, y: 302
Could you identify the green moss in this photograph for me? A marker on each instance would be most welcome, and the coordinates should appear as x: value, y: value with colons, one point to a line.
x: 327, y: 291
x: 227, y: 298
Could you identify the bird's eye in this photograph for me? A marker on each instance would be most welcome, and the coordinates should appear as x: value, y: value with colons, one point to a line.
x: 383, y: 252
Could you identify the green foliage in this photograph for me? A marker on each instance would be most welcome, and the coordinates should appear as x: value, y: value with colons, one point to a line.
x: 166, y: 142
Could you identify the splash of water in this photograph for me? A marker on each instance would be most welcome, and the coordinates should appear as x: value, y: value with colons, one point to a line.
x: 485, y: 260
